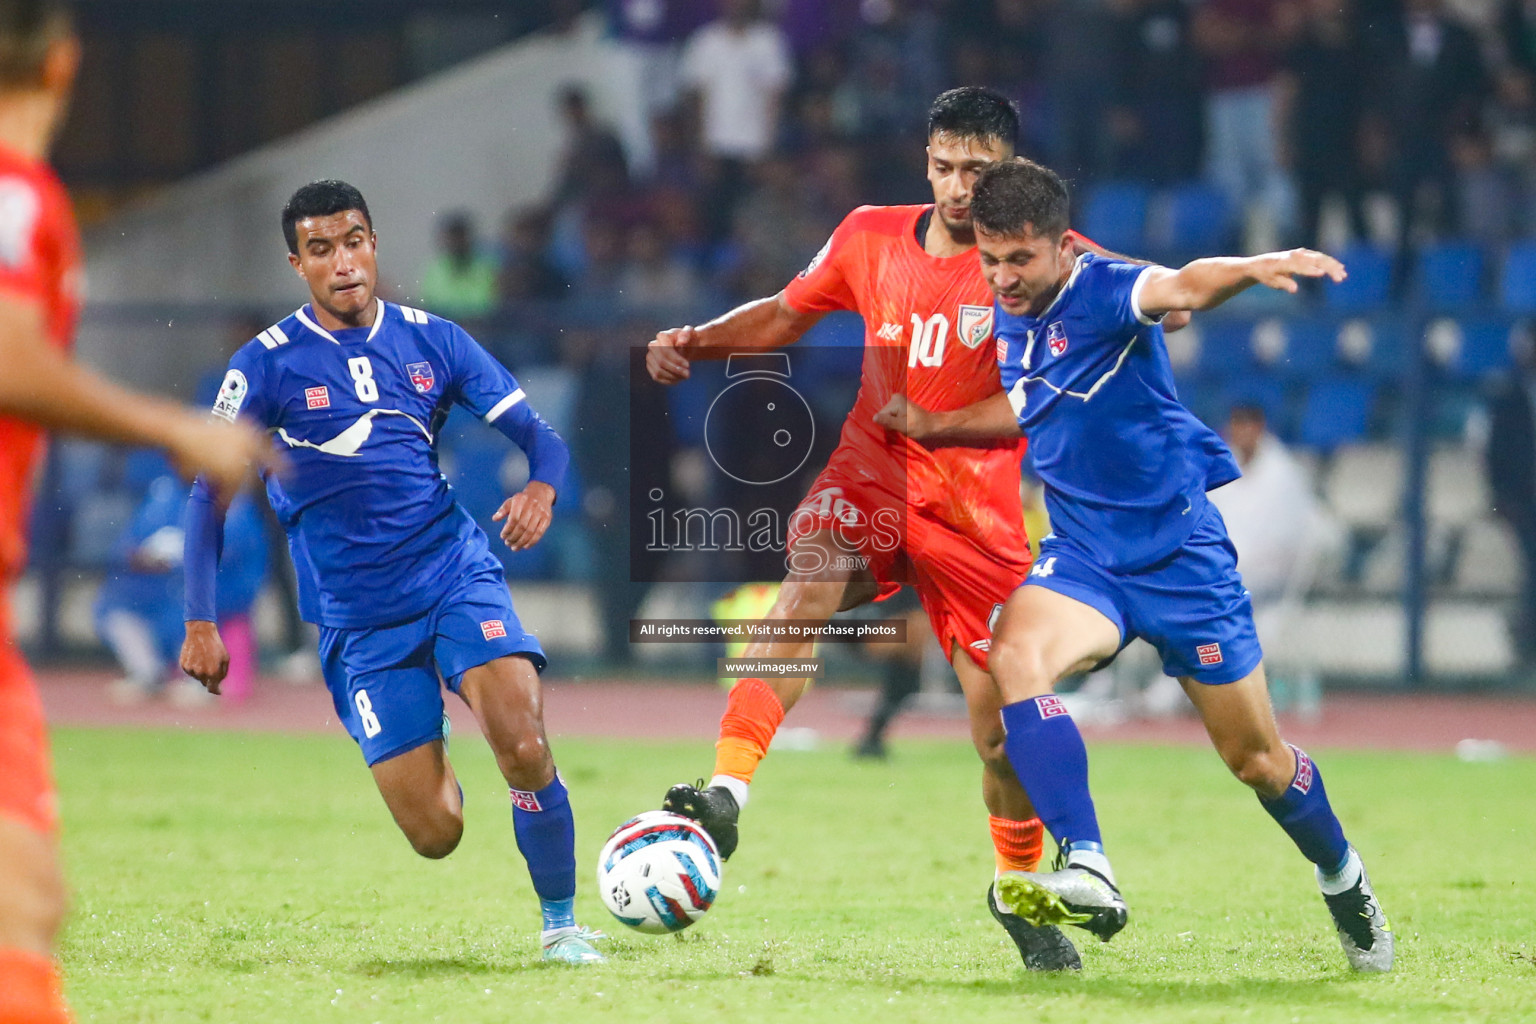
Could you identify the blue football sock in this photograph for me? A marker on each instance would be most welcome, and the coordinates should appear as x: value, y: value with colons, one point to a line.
x: 1303, y: 811
x: 546, y: 836
x: 1048, y: 756
x: 558, y: 913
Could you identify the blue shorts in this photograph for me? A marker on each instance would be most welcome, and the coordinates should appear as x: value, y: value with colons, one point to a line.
x: 1191, y: 606
x: 386, y: 681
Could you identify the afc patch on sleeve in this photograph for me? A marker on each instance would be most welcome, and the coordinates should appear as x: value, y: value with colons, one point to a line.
x: 231, y: 395
x: 810, y: 267
x: 19, y: 208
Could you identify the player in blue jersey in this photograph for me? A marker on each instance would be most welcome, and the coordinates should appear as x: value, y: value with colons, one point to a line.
x: 402, y: 583
x: 1137, y: 549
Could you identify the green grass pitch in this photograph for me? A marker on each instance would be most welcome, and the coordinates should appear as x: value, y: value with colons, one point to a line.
x: 233, y: 877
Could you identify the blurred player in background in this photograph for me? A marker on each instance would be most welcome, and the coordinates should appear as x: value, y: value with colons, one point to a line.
x: 911, y: 272
x: 42, y: 389
x: 396, y: 573
x: 1136, y: 549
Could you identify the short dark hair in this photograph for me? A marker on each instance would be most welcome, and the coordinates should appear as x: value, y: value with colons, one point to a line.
x: 27, y: 29
x: 974, y: 112
x: 321, y: 199
x: 1013, y: 195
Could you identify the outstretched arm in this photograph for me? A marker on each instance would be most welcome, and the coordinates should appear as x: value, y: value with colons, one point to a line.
x: 1207, y: 283
x: 203, y: 655
x: 979, y: 422
x: 44, y: 386
x: 761, y: 324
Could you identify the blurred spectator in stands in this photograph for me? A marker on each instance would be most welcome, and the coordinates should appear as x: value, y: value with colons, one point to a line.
x: 1155, y: 123
x: 605, y: 242
x: 1322, y: 102
x: 1512, y: 136
x: 591, y: 158
x: 1282, y: 533
x: 676, y: 163
x: 460, y: 281
x: 139, y: 607
x: 1242, y: 43
x: 1517, y: 31
x: 527, y: 274
x: 1511, y: 464
x: 1428, y: 83
x: 1485, y: 197
x: 738, y: 68
x: 655, y: 276
x: 778, y: 230
x: 653, y: 32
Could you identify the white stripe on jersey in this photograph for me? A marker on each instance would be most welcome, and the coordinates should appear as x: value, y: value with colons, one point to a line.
x: 378, y: 321
x: 413, y: 314
x: 505, y: 404
x: 272, y: 337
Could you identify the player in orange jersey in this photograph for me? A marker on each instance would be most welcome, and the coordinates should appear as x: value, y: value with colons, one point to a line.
x: 41, y: 388
x: 913, y: 274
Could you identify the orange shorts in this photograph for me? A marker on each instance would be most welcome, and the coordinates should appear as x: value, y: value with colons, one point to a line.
x: 961, y: 580
x: 26, y: 779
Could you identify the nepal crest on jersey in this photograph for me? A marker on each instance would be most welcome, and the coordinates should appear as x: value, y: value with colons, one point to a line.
x: 421, y: 376
x: 975, y: 325
x: 1056, y: 337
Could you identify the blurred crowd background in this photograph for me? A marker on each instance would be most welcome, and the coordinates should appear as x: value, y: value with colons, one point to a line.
x: 1399, y: 134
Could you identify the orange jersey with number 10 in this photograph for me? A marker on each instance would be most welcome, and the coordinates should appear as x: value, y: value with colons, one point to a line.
x: 928, y: 335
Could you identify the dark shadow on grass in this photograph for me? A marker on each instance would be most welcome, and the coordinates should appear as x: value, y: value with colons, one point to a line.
x: 437, y: 967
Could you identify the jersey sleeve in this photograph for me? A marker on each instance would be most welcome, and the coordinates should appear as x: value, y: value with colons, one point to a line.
x: 22, y: 225
x: 242, y: 394
x: 824, y: 286
x: 488, y: 389
x: 1118, y: 285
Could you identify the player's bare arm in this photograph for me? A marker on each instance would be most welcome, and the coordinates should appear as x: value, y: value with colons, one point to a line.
x: 1207, y: 283
x: 766, y: 323
x: 44, y: 386
x: 527, y: 515
x: 979, y: 422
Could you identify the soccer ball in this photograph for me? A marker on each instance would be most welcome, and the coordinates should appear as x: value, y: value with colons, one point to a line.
x: 659, y: 872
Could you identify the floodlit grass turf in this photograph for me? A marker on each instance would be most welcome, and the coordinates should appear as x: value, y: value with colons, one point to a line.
x: 234, y: 878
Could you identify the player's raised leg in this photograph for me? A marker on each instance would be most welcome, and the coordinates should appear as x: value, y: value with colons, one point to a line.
x: 508, y: 702
x: 756, y: 707
x: 1043, y: 636
x: 1241, y: 724
x: 1016, y: 830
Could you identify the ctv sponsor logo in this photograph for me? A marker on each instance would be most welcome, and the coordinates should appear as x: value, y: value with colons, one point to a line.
x: 317, y: 398
x: 1209, y: 654
x: 1304, y: 772
x: 1050, y: 707
x: 492, y: 629
x: 523, y: 800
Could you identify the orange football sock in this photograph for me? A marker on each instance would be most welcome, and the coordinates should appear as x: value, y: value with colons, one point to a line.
x: 752, y: 716
x: 1018, y: 843
x: 30, y: 992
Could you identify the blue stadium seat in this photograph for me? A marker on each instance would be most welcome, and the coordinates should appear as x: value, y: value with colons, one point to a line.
x: 1264, y: 391
x: 1369, y: 284
x: 1115, y: 216
x: 1484, y: 347
x: 1225, y: 346
x: 1336, y: 411
x: 1391, y: 347
x: 1517, y: 288
x: 1311, y: 348
x: 1449, y: 275
x: 1199, y: 220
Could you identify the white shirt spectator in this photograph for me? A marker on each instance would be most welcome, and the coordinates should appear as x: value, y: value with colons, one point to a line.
x: 740, y: 74
x: 1273, y: 519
